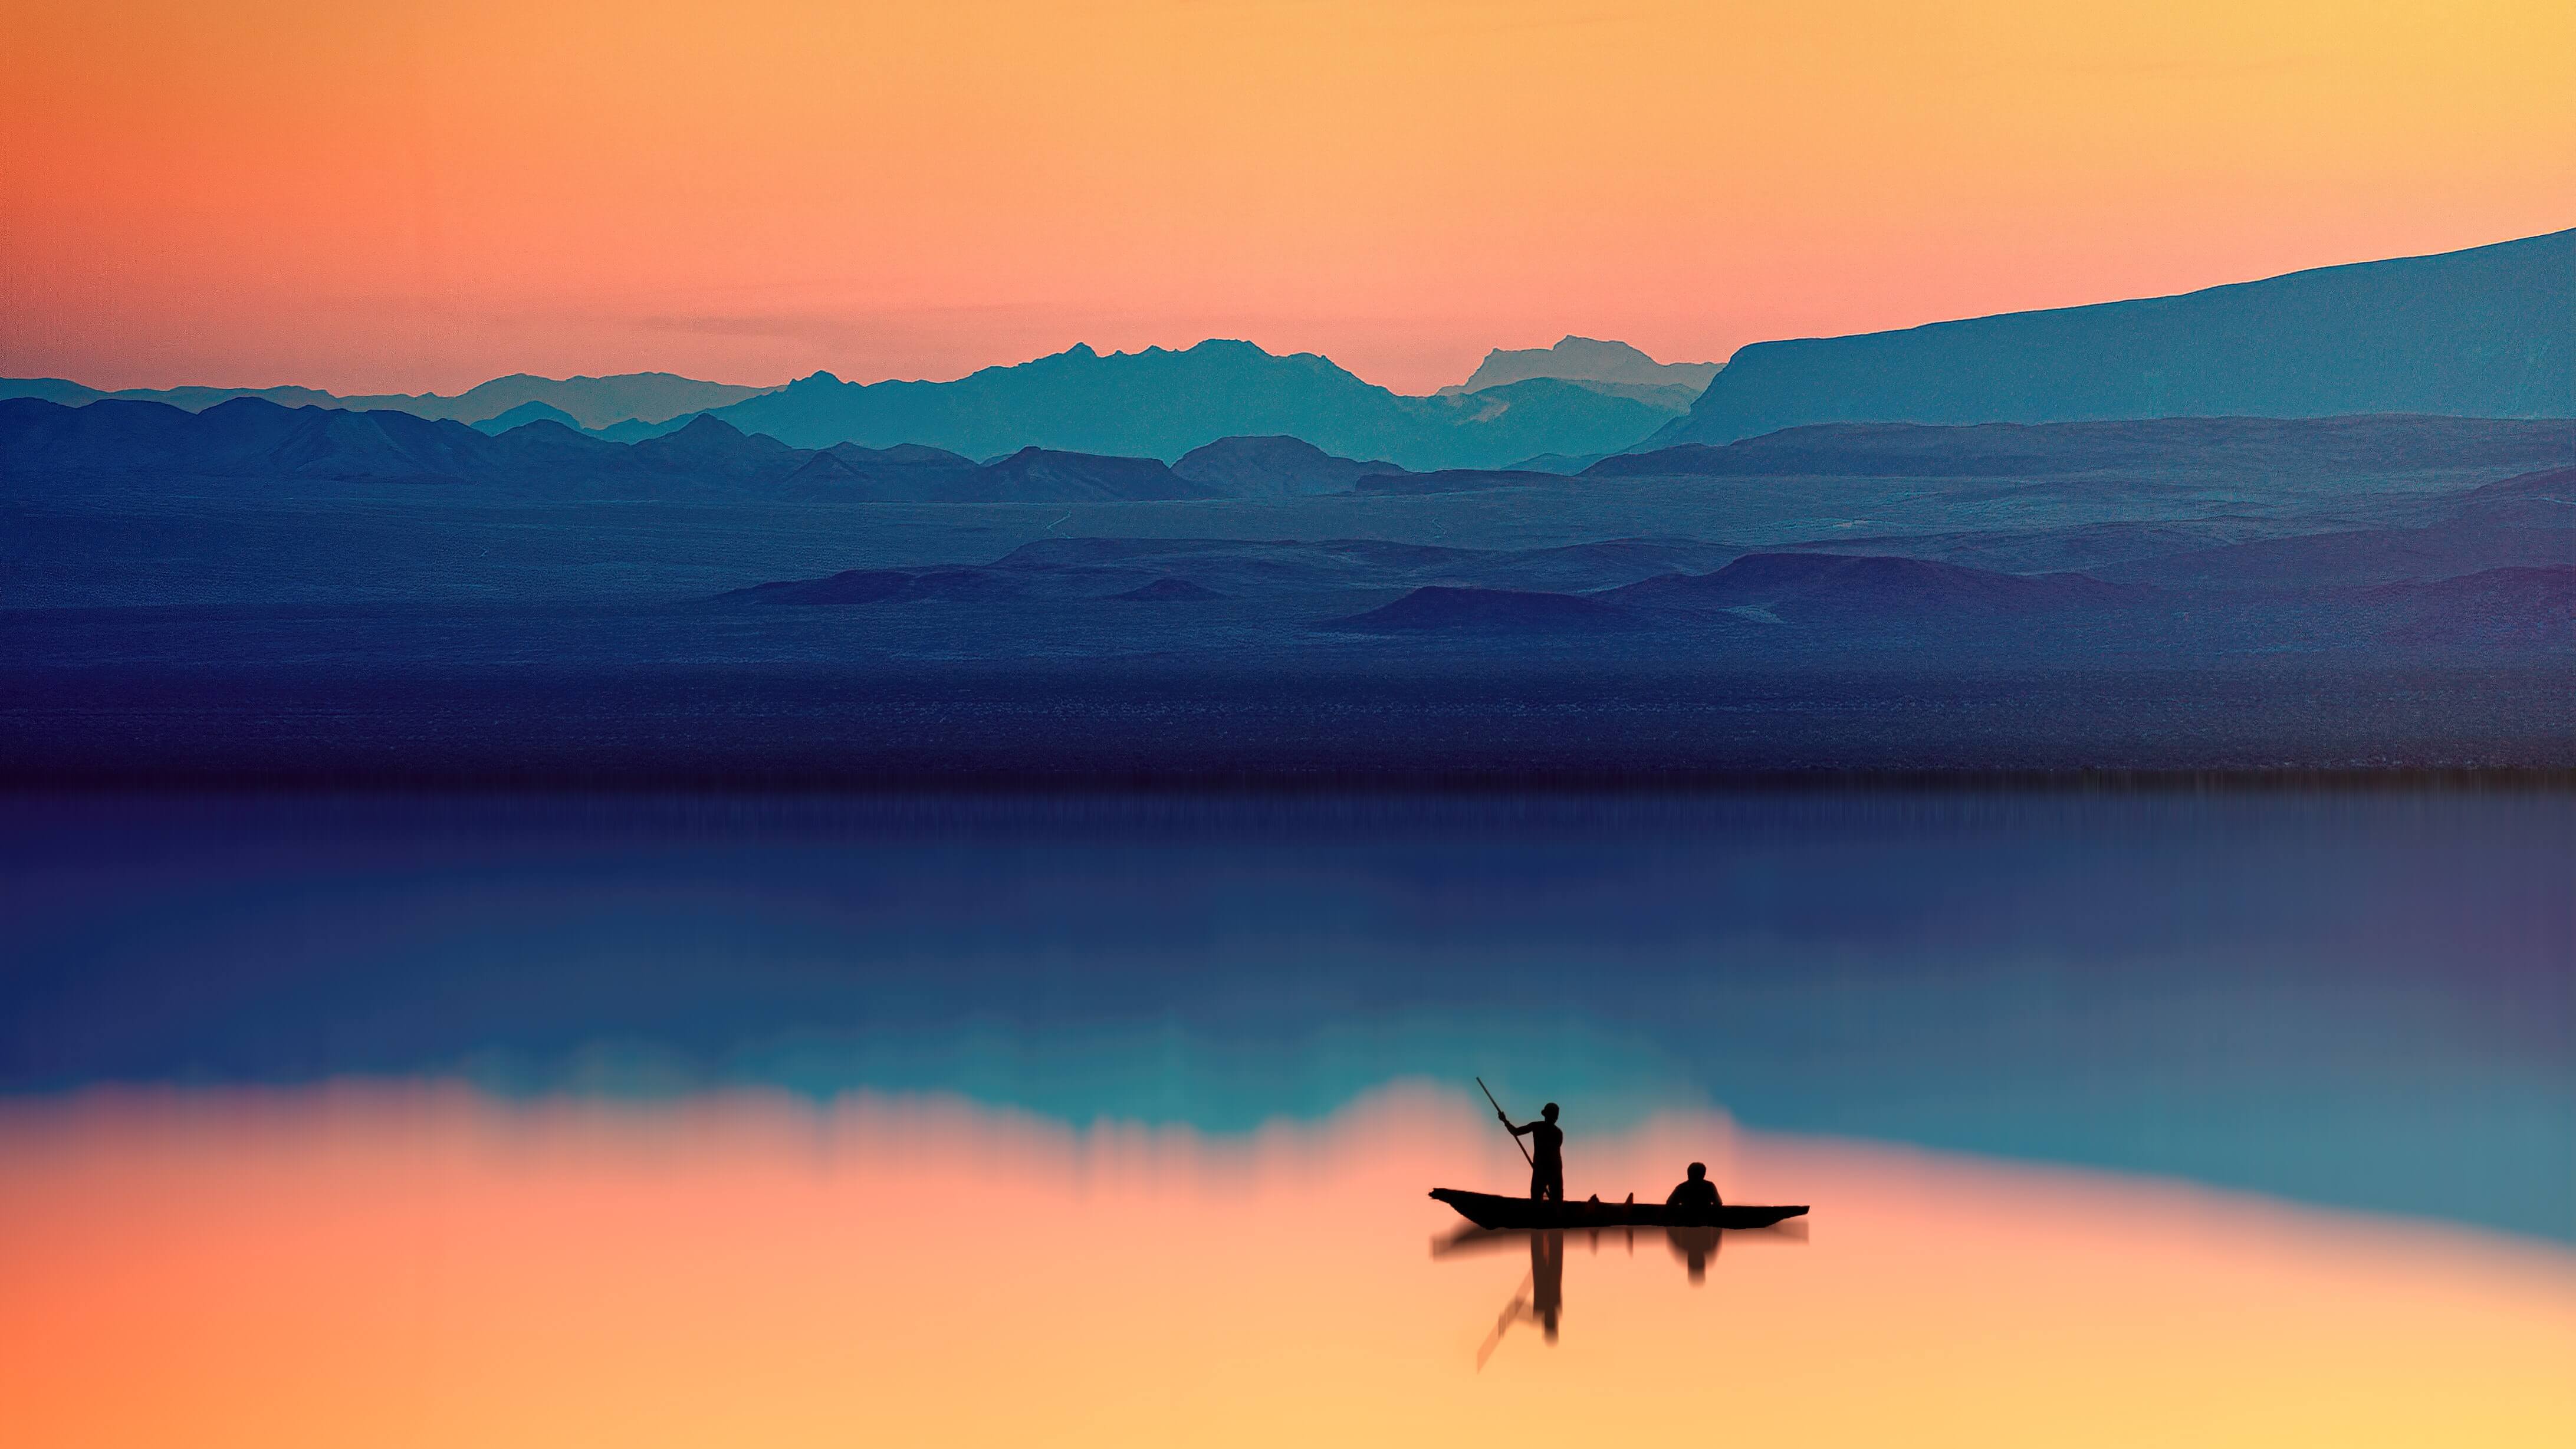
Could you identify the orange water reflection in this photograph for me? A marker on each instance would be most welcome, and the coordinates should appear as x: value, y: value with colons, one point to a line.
x: 367, y: 1266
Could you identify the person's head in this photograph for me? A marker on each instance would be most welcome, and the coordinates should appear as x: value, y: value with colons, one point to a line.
x: 1548, y: 1111
x: 1698, y: 1170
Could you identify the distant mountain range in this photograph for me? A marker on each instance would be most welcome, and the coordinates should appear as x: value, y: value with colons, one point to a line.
x: 2478, y: 333
x: 45, y: 445
x: 1614, y: 368
x: 1155, y: 403
x: 2486, y: 332
x: 1162, y: 404
x: 587, y: 402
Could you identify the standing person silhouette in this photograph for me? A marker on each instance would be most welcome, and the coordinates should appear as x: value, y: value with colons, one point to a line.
x: 1547, y: 1153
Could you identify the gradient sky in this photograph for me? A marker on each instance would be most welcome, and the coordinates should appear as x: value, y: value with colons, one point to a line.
x: 406, y: 196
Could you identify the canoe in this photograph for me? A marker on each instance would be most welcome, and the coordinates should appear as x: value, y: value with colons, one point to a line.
x: 1487, y: 1210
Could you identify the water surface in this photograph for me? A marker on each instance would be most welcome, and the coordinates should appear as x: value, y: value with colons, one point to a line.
x: 2124, y: 1118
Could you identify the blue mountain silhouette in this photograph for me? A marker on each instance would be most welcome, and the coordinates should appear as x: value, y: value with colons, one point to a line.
x: 1164, y: 404
x: 2477, y: 333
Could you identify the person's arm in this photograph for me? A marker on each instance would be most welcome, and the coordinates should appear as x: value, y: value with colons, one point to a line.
x: 1515, y: 1131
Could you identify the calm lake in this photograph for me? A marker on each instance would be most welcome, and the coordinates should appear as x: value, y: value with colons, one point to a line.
x: 2123, y: 1118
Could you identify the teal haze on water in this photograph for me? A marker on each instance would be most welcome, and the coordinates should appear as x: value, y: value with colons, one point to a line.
x: 2361, y: 1000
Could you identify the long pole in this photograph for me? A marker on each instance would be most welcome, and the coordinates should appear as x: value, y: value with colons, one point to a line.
x: 1507, y: 1122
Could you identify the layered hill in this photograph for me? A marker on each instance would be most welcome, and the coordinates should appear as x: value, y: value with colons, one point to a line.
x: 524, y: 414
x: 1276, y: 467
x: 1449, y: 609
x: 2249, y: 446
x: 249, y: 438
x: 1163, y: 404
x: 256, y: 594
x: 1802, y: 585
x: 2477, y: 333
x: 1156, y: 403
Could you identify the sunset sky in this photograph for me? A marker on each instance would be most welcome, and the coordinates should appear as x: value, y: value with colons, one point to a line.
x: 410, y: 196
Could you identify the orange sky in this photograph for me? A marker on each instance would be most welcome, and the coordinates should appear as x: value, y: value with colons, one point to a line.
x: 418, y: 195
x: 387, y: 1267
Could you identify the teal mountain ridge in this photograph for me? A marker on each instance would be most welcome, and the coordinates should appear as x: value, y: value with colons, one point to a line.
x: 2486, y: 332
x: 1161, y: 403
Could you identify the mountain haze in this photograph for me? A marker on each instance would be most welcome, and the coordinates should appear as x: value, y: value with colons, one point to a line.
x: 1615, y: 368
x: 525, y: 413
x: 1162, y: 404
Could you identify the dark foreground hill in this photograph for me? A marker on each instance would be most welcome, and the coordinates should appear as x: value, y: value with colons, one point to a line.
x: 256, y: 593
x: 1506, y: 612
x: 2477, y: 333
x: 2160, y: 446
x: 1800, y: 585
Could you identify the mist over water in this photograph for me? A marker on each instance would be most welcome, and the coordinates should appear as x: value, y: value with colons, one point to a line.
x: 2361, y: 1000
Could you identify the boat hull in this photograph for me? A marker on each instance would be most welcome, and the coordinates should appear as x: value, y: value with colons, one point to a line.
x: 1488, y: 1210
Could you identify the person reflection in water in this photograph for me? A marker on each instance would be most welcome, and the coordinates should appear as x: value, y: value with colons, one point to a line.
x: 1547, y: 1280
x: 1694, y: 1246
x: 1547, y: 1154
x: 1543, y: 1303
x: 1696, y: 1192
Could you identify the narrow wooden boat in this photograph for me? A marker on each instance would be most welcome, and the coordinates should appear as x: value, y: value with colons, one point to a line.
x: 1488, y: 1210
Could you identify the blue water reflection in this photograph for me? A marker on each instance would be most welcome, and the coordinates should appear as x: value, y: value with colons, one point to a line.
x: 2362, y: 999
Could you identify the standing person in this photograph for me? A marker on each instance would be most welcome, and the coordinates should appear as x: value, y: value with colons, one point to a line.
x: 1547, y: 1153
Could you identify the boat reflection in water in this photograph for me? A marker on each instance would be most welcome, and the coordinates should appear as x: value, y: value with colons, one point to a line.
x: 1540, y: 1299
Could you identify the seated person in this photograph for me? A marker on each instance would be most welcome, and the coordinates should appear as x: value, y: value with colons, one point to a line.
x: 1698, y: 1192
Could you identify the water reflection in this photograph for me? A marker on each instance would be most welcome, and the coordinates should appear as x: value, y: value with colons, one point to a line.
x: 1694, y: 1246
x: 1540, y: 1298
x: 428, y: 1265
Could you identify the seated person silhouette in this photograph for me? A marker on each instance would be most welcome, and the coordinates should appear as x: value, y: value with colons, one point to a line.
x: 1696, y: 1193
x: 1547, y: 1154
